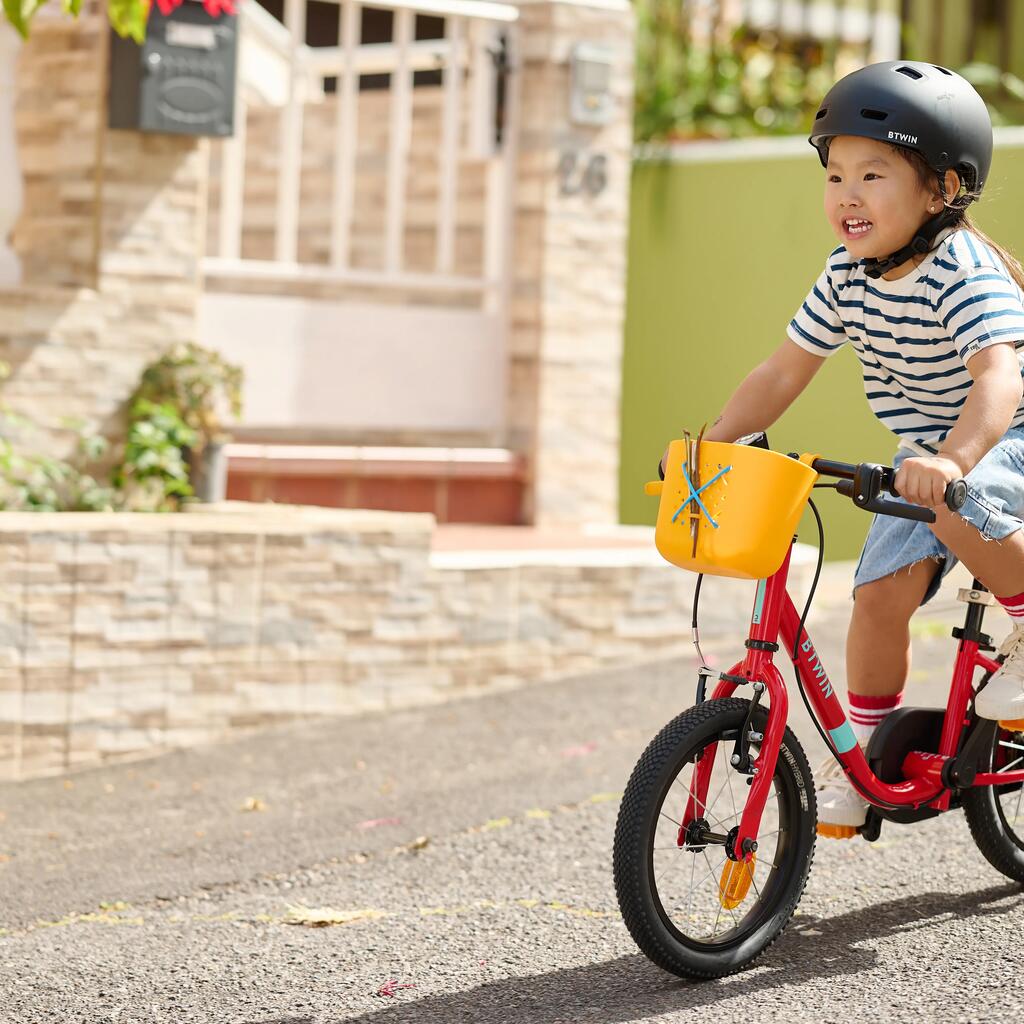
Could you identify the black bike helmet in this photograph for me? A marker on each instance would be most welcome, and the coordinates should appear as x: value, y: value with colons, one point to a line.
x: 918, y: 106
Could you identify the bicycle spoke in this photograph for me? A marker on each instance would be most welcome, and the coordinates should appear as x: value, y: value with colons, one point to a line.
x: 1006, y: 768
x: 721, y: 790
x: 737, y: 814
x: 721, y: 893
x: 732, y: 796
x: 658, y: 878
x: 750, y: 870
x: 699, y: 802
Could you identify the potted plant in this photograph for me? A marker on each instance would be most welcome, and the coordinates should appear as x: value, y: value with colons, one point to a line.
x: 204, y: 390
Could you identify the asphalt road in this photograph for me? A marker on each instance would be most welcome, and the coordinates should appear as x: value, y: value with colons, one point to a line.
x: 462, y: 854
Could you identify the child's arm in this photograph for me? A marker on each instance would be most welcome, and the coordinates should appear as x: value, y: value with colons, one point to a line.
x: 766, y: 392
x: 988, y: 411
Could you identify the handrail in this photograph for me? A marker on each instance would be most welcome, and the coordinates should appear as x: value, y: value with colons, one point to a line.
x: 484, y: 10
x: 318, y: 62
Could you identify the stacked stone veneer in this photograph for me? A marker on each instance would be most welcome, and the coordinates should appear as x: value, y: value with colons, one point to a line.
x: 123, y: 635
x: 109, y: 240
x: 569, y: 265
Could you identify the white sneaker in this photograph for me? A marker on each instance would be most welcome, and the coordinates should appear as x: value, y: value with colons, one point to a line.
x: 841, y: 809
x: 1003, y: 697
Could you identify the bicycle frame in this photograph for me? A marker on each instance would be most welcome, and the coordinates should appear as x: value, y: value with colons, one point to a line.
x: 774, y: 616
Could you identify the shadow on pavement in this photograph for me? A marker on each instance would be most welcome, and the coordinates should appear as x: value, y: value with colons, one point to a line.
x: 631, y: 988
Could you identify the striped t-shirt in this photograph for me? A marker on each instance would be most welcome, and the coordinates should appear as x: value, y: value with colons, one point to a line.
x: 914, y: 335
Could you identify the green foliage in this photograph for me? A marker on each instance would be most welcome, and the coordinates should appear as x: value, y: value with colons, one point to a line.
x: 128, y: 17
x: 154, y: 475
x: 32, y: 482
x: 708, y: 82
x: 1002, y: 91
x: 199, y: 385
x: 725, y: 85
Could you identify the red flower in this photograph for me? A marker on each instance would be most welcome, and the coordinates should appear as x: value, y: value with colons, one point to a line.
x: 214, y: 8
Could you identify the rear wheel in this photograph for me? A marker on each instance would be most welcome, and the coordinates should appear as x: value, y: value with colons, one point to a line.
x: 995, y: 814
x: 689, y: 908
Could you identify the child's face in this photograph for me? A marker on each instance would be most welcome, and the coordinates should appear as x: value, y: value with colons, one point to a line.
x: 873, y: 197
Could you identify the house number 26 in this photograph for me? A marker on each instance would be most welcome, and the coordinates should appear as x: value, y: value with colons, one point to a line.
x: 577, y: 173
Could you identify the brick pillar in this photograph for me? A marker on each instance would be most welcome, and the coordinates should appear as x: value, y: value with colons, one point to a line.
x: 109, y: 239
x: 10, y: 171
x: 569, y: 262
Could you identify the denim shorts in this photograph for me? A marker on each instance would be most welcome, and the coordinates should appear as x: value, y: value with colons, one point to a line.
x: 995, y: 505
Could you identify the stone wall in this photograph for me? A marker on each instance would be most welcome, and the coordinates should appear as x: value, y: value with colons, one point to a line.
x: 569, y: 266
x: 109, y: 239
x: 123, y: 635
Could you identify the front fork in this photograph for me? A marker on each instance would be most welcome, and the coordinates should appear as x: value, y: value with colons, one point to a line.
x: 757, y: 668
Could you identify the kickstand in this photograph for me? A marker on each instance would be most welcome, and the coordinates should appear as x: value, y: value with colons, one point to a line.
x: 872, y: 827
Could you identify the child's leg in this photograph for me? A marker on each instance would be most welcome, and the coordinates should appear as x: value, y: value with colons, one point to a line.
x: 878, y: 643
x: 999, y: 564
x: 877, y: 666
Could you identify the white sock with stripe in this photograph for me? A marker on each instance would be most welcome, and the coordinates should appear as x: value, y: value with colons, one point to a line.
x: 868, y: 713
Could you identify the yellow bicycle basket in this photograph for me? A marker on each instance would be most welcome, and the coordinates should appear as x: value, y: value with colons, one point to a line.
x: 736, y: 516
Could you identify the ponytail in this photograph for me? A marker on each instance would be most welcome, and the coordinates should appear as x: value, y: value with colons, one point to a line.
x: 1012, y: 264
x: 963, y: 221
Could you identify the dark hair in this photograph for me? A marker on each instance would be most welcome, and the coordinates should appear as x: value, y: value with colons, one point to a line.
x: 928, y: 179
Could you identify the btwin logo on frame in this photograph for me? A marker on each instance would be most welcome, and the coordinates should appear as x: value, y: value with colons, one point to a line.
x: 817, y: 669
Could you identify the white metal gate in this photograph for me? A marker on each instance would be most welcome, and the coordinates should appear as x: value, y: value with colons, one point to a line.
x: 279, y: 70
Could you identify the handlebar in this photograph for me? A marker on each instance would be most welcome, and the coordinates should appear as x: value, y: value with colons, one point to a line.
x: 864, y: 483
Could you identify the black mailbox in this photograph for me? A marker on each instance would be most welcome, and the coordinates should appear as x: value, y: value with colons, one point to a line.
x: 182, y: 79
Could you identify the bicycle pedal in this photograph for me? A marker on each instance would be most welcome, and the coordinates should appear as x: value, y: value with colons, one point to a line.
x: 827, y: 831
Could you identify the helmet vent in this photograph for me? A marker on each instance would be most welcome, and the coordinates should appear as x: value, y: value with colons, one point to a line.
x: 873, y: 115
x: 821, y: 113
x: 943, y: 70
x: 912, y: 72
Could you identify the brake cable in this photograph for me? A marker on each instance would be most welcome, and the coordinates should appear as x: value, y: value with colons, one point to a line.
x: 799, y: 679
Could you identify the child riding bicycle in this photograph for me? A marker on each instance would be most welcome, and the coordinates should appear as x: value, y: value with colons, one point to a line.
x: 935, y: 312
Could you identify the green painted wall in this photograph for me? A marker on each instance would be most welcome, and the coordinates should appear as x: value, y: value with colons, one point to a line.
x: 720, y: 256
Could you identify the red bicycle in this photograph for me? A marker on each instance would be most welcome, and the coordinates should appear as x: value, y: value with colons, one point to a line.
x: 717, y: 825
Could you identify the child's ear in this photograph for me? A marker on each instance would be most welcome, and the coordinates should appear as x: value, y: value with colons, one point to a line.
x: 952, y: 185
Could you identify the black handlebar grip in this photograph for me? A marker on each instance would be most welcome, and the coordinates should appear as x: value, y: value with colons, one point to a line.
x: 956, y: 495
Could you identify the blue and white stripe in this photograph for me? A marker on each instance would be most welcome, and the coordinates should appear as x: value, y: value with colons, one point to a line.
x: 915, y: 335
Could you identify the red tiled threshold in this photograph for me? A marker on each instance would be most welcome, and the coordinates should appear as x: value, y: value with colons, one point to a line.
x: 458, y: 485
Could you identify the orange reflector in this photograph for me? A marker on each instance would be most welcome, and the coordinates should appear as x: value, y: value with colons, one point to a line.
x: 836, y: 831
x: 735, y: 881
x: 1012, y: 724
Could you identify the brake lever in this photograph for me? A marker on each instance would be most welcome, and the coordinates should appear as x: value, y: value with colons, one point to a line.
x: 862, y: 499
x: 870, y: 480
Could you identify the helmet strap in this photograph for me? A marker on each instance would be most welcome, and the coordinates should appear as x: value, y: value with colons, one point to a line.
x: 922, y: 242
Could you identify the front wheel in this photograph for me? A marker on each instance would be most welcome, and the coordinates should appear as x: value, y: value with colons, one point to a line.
x: 680, y: 900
